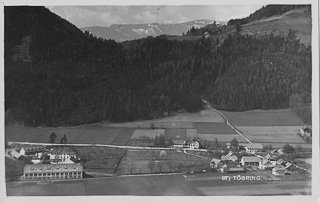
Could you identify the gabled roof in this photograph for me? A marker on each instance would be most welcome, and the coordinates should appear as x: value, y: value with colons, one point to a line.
x: 229, y: 158
x: 250, y: 159
x: 279, y: 168
x: 254, y: 145
x: 30, y: 148
x: 288, y: 165
x: 32, y: 168
x: 214, y: 160
x: 280, y: 161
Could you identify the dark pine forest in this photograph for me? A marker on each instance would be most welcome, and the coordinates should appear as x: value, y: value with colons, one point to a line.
x: 55, y: 75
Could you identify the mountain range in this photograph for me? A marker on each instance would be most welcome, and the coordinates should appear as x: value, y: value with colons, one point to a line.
x: 124, y: 32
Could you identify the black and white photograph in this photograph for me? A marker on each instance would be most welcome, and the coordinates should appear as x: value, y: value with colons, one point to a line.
x: 161, y: 99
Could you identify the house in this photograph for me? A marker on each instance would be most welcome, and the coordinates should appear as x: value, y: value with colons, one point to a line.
x: 250, y: 161
x: 59, y: 161
x: 192, y: 144
x: 252, y: 148
x: 229, y: 158
x: 265, y: 164
x: 63, y: 153
x: 214, y: 163
x: 32, y: 149
x: 51, y: 171
x: 279, y: 170
x: 276, y: 152
x: 306, y: 131
x: 178, y: 143
x: 281, y: 161
x: 15, y: 154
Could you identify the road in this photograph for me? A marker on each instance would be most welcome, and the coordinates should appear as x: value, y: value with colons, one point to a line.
x: 227, y: 121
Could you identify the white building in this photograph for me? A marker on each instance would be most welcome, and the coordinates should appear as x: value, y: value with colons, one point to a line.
x: 61, y: 153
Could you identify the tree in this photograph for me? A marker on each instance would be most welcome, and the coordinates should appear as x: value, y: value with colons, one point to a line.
x: 162, y: 154
x: 234, y: 143
x: 151, y: 165
x: 216, y: 143
x: 160, y: 166
x: 287, y: 149
x: 238, y: 28
x: 170, y: 164
x: 52, y: 137
x: 131, y: 167
x: 63, y: 140
x: 298, y: 149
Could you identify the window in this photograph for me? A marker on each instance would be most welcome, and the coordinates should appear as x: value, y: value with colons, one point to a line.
x: 40, y: 174
x: 44, y: 174
x: 61, y: 173
x: 26, y: 174
x: 31, y: 174
x: 36, y: 174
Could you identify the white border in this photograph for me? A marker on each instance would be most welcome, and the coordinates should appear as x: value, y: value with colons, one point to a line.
x: 315, y: 100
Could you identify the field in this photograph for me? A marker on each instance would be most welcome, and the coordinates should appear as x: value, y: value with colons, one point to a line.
x: 136, y: 161
x: 261, y: 126
x: 175, y: 134
x: 295, y: 20
x: 72, y: 133
x: 214, y: 128
x: 276, y: 134
x: 96, y: 134
x: 221, y: 137
x: 140, y: 133
x: 279, y: 117
x: 99, y: 159
x: 23, y: 133
x: 123, y: 137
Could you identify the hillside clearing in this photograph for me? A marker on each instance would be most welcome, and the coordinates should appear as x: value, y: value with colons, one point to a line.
x: 277, y: 117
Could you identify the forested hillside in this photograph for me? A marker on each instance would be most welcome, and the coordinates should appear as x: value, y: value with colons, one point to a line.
x: 56, y: 75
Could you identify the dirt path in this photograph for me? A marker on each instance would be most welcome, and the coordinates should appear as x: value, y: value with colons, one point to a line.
x: 227, y: 121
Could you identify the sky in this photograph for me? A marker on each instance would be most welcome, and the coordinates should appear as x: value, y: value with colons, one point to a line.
x: 86, y: 16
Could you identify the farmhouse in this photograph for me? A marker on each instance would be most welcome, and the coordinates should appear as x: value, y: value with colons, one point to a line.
x: 214, y: 163
x: 278, y: 170
x: 15, y: 154
x: 194, y: 144
x: 229, y: 158
x: 62, y: 153
x: 252, y: 148
x: 49, y: 171
x: 306, y: 131
x: 32, y: 149
x: 178, y: 143
x: 265, y: 164
x: 250, y: 161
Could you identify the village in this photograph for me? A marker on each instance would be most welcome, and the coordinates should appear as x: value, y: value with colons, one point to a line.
x: 45, y: 162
